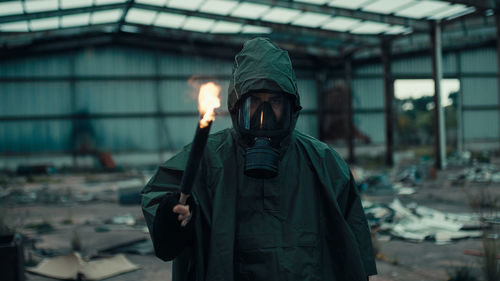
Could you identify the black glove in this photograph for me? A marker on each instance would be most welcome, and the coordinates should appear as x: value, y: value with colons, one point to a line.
x: 169, y: 238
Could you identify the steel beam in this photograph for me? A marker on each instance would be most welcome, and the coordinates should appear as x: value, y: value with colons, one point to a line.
x: 296, y: 31
x: 388, y: 101
x: 479, y: 4
x: 121, y: 22
x: 418, y: 25
x: 57, y: 13
x: 497, y: 20
x: 320, y: 78
x: 180, y: 40
x: 76, y: 116
x: 437, y: 73
x: 276, y: 27
x: 159, y: 110
x: 350, y: 114
x: 459, y: 105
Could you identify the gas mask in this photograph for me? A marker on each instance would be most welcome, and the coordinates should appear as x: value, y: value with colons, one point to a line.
x: 264, y: 119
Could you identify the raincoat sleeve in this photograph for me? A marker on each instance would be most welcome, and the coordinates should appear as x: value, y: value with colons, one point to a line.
x: 159, y: 196
x: 347, y: 223
x: 350, y: 204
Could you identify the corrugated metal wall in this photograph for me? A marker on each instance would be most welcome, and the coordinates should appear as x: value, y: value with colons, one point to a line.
x: 308, y: 120
x: 121, y: 93
x: 122, y: 90
x: 479, y: 83
x: 368, y: 105
x: 476, y: 70
x: 368, y: 102
x: 126, y: 89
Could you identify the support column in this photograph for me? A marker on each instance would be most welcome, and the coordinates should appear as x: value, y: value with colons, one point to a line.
x: 437, y: 75
x: 389, y: 97
x: 460, y: 126
x: 497, y: 20
x: 350, y: 112
x: 159, y: 115
x: 320, y: 101
x: 72, y: 88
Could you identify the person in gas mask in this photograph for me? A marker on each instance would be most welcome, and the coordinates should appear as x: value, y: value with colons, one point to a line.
x: 269, y: 203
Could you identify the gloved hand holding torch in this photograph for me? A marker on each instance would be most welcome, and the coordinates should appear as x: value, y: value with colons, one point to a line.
x: 208, y: 100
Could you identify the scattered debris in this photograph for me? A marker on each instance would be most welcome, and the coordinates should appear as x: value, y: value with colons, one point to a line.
x: 126, y: 219
x: 477, y: 254
x: 42, y: 227
x: 74, y: 267
x: 129, y: 192
x: 420, y: 223
x: 141, y: 246
x: 479, y: 173
x: 462, y: 274
x: 380, y: 184
x: 42, y: 169
x: 106, y: 160
x: 411, y: 175
x: 12, y: 257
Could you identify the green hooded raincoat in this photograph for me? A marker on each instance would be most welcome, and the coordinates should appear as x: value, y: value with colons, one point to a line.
x: 305, y: 224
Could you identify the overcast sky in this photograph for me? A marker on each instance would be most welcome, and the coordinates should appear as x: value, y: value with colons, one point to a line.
x: 415, y: 88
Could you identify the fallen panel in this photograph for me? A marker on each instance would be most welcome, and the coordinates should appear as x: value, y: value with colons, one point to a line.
x: 72, y: 265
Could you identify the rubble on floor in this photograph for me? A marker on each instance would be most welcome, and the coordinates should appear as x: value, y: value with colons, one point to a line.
x: 74, y: 267
x: 418, y: 223
x: 73, y: 188
x: 479, y: 173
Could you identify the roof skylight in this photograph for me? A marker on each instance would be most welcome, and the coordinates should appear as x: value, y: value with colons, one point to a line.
x: 17, y: 26
x: 397, y: 29
x: 254, y: 29
x: 220, y: 7
x: 422, y: 9
x: 69, y: 4
x: 349, y: 4
x: 340, y: 24
x: 387, y: 6
x: 159, y: 3
x: 140, y: 16
x: 44, y: 24
x: 41, y: 5
x: 454, y: 10
x: 191, y: 5
x: 311, y: 19
x: 170, y: 20
x: 250, y: 10
x: 226, y: 27
x: 317, y: 2
x: 11, y: 8
x: 370, y: 27
x: 106, y: 16
x: 107, y: 2
x: 280, y: 15
x: 75, y: 20
x: 198, y: 24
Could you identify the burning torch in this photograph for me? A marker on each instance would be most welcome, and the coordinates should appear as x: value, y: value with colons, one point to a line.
x: 208, y: 101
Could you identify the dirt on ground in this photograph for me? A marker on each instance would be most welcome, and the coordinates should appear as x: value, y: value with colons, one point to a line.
x: 98, y: 225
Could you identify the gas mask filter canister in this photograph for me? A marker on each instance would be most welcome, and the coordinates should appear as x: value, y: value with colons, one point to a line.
x: 261, y: 160
x: 264, y: 119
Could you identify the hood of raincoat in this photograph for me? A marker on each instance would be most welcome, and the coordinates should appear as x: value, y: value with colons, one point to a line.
x: 261, y: 66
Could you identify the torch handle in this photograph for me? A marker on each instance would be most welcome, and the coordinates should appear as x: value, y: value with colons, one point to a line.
x: 193, y: 163
x: 183, y: 199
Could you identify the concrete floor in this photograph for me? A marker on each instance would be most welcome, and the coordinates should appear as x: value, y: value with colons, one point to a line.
x: 403, y: 260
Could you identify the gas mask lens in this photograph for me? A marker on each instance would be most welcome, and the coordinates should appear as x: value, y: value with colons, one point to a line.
x: 265, y: 114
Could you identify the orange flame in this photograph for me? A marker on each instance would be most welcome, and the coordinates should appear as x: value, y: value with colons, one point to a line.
x: 261, y: 118
x: 208, y: 100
